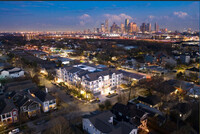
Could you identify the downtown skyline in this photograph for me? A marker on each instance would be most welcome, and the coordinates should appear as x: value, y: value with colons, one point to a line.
x: 80, y: 15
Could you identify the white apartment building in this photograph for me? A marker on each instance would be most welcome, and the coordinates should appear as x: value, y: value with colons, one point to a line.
x: 96, y: 80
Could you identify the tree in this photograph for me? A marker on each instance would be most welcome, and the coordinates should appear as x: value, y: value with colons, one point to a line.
x: 59, y: 126
x: 101, y: 107
x: 36, y: 79
x: 122, y: 98
x: 169, y: 66
x: 130, y: 87
x: 180, y: 74
x: 107, y: 104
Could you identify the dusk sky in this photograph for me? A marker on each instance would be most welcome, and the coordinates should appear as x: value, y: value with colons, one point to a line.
x: 79, y: 15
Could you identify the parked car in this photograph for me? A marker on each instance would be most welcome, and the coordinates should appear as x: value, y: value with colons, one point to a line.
x: 14, y: 131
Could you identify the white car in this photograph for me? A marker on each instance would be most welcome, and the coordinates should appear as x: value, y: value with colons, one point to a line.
x: 14, y: 131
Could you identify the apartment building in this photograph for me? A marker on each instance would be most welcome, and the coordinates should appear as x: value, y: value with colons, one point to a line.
x: 92, y: 78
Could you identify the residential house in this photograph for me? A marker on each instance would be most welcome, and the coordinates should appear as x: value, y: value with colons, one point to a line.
x: 47, y: 101
x: 194, y: 91
x: 130, y: 113
x: 4, y: 65
x: 65, y: 60
x: 185, y: 58
x: 19, y: 86
x: 103, y: 123
x: 183, y: 110
x: 182, y: 86
x: 27, y: 104
x: 193, y: 70
x: 47, y: 67
x: 150, y: 108
x: 12, y: 72
x: 165, y: 90
x: 157, y: 70
x: 8, y: 111
x: 66, y: 53
x: 132, y: 76
x: 169, y: 60
x: 152, y: 101
x: 39, y: 54
x: 150, y: 59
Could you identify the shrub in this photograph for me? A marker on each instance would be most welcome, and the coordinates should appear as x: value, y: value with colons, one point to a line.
x: 107, y: 104
x: 101, y: 106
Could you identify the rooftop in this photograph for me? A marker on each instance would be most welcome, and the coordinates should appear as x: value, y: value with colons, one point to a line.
x: 152, y: 99
x: 6, y: 106
x: 101, y: 122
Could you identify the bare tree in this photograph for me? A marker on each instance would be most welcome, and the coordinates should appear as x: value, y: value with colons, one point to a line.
x: 60, y: 126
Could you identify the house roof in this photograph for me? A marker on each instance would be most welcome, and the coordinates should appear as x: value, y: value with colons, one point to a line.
x: 136, y: 76
x: 2, y: 64
x: 72, y: 69
x: 123, y: 128
x: 12, y: 70
x: 100, y: 121
x: 6, y: 106
x: 91, y: 76
x: 195, y: 90
x: 165, y: 87
x: 20, y: 85
x: 152, y: 99
x: 23, y: 98
x: 95, y: 75
x: 36, y: 52
x: 183, y: 108
x: 184, y: 85
x: 193, y: 69
x: 131, y: 111
x: 43, y: 96
x: 121, y: 108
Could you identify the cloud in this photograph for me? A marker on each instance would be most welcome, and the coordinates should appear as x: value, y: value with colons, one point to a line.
x: 85, y: 16
x: 181, y: 14
x: 117, y: 18
x: 85, y: 19
x: 151, y: 17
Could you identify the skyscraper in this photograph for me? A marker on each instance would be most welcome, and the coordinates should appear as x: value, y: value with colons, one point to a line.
x: 114, y: 28
x: 102, y: 28
x: 156, y: 27
x: 126, y: 24
x: 130, y: 27
x: 143, y: 27
x: 148, y: 27
x: 134, y: 27
x: 122, y: 28
x: 106, y: 26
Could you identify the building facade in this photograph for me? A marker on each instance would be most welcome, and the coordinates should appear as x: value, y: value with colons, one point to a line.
x: 103, y: 123
x: 8, y: 112
x: 11, y: 73
x: 92, y: 79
